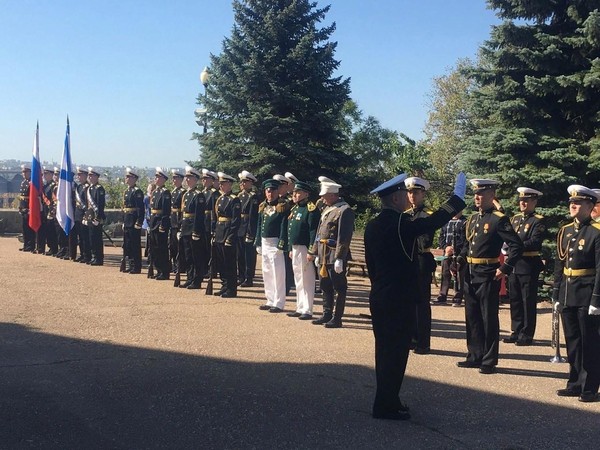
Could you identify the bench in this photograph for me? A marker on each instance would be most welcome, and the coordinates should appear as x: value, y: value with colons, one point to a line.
x: 357, y: 252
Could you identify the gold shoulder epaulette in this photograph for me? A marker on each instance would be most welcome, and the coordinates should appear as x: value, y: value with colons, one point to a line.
x: 261, y: 207
x: 538, y: 216
x: 408, y: 211
x: 233, y: 195
x: 428, y: 211
x: 311, y: 206
x: 596, y: 225
x: 498, y: 213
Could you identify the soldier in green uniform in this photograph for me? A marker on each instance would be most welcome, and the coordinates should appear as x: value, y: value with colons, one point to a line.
x: 133, y: 219
x: 246, y: 255
x: 302, y: 230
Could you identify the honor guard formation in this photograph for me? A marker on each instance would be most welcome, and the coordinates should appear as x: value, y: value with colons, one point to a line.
x: 201, y: 230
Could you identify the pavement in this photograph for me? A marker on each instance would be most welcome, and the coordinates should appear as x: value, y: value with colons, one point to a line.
x: 93, y: 358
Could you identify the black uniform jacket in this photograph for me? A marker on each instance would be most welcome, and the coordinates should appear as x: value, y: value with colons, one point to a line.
x: 96, y: 199
x: 577, y: 268
x: 193, y: 204
x: 531, y: 230
x: 176, y: 197
x: 160, y: 209
x: 80, y: 194
x: 249, y: 215
x: 390, y: 252
x: 486, y: 231
x: 210, y: 195
x: 227, y: 219
x: 424, y: 241
x: 133, y: 207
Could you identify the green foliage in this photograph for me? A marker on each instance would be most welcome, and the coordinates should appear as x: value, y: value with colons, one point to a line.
x: 363, y: 218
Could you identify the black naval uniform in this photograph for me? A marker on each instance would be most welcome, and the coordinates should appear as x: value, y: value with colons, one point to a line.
x: 210, y: 195
x: 47, y: 232
x: 485, y: 233
x: 193, y: 237
x: 80, y: 227
x: 94, y: 218
x: 523, y: 281
x: 227, y: 222
x: 391, y: 252
x: 176, y: 197
x: 133, y: 219
x: 160, y: 222
x: 576, y: 287
x: 246, y: 253
x: 427, y: 265
x: 28, y: 232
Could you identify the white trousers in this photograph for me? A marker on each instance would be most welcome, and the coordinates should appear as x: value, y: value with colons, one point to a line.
x: 273, y: 270
x: 304, y: 277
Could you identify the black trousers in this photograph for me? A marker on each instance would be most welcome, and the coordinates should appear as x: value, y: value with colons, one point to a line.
x: 132, y: 247
x: 422, y: 333
x: 28, y: 234
x: 173, y: 246
x: 449, y: 266
x: 246, y: 260
x: 96, y: 243
x: 393, y: 329
x: 482, y: 301
x: 63, y: 240
x: 227, y: 267
x: 193, y: 259
x: 83, y: 238
x: 159, y: 251
x: 582, y: 336
x: 334, y: 287
x: 522, y: 292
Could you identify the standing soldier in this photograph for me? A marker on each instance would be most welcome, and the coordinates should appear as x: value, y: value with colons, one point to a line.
x: 192, y: 233
x: 416, y: 196
x: 211, y: 194
x: 451, y: 241
x: 133, y: 219
x: 270, y: 243
x: 247, y: 231
x: 523, y: 281
x: 46, y: 234
x: 95, y: 217
x: 176, y: 197
x: 81, y: 229
x: 302, y: 230
x: 285, y: 194
x: 61, y: 236
x: 28, y: 233
x: 227, y: 222
x: 486, y: 231
x: 333, y: 249
x: 576, y: 293
x: 160, y: 221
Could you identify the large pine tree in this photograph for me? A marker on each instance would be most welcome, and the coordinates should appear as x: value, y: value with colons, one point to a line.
x: 272, y: 99
x: 538, y: 99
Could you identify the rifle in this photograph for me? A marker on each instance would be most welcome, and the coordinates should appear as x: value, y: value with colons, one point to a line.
x: 150, y: 260
x: 108, y: 237
x: 555, y: 341
x: 211, y: 264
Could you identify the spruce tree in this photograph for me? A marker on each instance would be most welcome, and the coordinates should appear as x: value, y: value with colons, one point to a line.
x: 273, y: 102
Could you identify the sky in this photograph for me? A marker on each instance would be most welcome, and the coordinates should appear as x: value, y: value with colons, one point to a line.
x: 126, y: 72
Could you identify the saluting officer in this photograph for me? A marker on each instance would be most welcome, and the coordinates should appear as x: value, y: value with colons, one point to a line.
x: 160, y: 222
x: 192, y: 231
x: 94, y: 216
x: 28, y: 232
x: 227, y: 222
x: 80, y: 226
x: 133, y: 219
x: 246, y: 255
x: 270, y: 243
x: 576, y: 293
x: 417, y: 188
x: 486, y: 231
x: 303, y: 222
x: 332, y: 247
x: 523, y: 281
x: 176, y: 197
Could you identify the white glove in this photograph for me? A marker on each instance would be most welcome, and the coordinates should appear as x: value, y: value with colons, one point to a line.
x: 95, y: 223
x: 259, y: 250
x: 137, y: 227
x: 195, y: 237
x: 317, y: 261
x: 338, y: 266
x: 593, y: 311
x: 556, y: 305
x: 123, y: 227
x: 179, y: 235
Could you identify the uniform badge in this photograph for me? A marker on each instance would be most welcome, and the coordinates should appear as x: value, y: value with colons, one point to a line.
x: 486, y: 227
x: 526, y: 227
x: 581, y: 244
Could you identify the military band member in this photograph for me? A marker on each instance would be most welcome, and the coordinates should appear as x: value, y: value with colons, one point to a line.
x: 94, y: 218
x: 28, y: 232
x: 270, y: 243
x: 176, y: 197
x: 417, y: 187
x: 523, y: 281
x: 160, y: 222
x: 47, y: 234
x: 227, y: 222
x: 211, y: 194
x: 80, y: 225
x: 486, y: 231
x: 332, y: 250
x: 192, y: 234
x: 576, y: 293
x: 61, y: 236
x: 133, y: 219
x: 246, y: 254
x: 302, y: 230
x: 391, y: 257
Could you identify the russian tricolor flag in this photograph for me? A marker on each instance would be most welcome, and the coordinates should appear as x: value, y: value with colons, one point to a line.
x: 35, y: 186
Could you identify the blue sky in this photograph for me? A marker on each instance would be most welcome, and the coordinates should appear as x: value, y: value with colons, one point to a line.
x: 127, y: 71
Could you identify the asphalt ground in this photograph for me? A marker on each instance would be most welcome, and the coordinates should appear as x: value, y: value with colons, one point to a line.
x: 93, y: 358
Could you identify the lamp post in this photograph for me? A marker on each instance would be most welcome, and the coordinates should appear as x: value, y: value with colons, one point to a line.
x: 204, y: 76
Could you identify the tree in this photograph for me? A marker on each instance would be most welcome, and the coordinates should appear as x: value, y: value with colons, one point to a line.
x: 272, y: 101
x: 537, y: 106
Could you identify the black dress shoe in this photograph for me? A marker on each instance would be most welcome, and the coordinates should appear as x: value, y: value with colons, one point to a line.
x: 334, y: 323
x: 305, y: 317
x: 264, y: 307
x: 468, y: 364
x: 135, y: 271
x: 524, y: 342
x: 510, y: 340
x: 162, y: 277
x: 588, y: 397
x: 422, y: 351
x: 96, y: 263
x: 569, y: 392
x: 294, y: 314
x: 229, y: 295
x: 193, y: 286
x: 487, y: 370
x: 322, y: 320
x: 275, y: 309
x: 247, y: 283
x: 392, y: 415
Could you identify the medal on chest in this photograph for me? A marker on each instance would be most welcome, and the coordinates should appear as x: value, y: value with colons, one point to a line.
x: 486, y: 227
x: 526, y: 227
x: 581, y: 244
x: 269, y: 210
